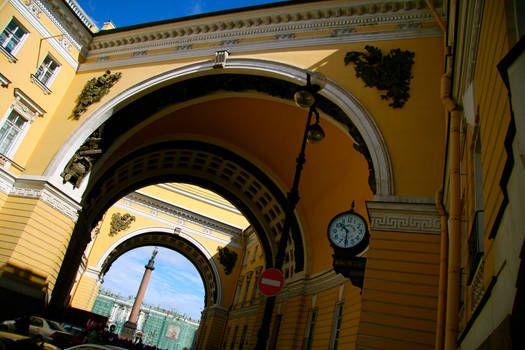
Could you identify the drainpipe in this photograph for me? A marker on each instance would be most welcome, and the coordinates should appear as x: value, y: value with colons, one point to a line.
x: 442, y: 294
x: 454, y: 249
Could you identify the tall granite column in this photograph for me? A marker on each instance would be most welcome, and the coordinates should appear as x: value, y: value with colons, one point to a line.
x: 130, y: 327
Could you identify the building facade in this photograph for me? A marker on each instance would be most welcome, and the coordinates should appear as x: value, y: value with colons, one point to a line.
x: 164, y: 329
x: 423, y: 122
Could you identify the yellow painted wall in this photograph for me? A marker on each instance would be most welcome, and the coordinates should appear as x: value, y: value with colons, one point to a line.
x: 34, y: 236
x: 28, y: 60
x: 400, y: 291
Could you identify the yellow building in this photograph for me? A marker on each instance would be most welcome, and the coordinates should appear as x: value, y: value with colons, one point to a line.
x: 423, y: 123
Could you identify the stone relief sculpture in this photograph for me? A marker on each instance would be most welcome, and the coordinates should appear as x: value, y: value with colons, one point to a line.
x: 121, y: 222
x: 227, y: 258
x: 82, y: 161
x: 94, y: 90
x: 390, y: 72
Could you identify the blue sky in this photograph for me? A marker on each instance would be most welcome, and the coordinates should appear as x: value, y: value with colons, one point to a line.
x: 129, y: 12
x: 175, y: 283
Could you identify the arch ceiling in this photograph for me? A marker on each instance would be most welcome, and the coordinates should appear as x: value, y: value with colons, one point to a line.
x: 267, y: 77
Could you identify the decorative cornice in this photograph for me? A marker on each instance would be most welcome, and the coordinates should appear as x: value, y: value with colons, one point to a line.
x: 311, y: 285
x: 40, y: 189
x: 184, y: 214
x: 243, y: 312
x: 47, y: 193
x: 276, y: 28
x: 27, y: 9
x: 402, y: 215
x: 216, y: 311
x: 104, y: 61
x: 68, y: 23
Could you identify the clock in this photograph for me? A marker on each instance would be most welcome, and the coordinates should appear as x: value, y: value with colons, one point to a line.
x: 348, y: 232
x: 348, y: 235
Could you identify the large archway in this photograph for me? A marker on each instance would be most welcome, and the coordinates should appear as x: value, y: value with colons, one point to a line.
x: 158, y: 135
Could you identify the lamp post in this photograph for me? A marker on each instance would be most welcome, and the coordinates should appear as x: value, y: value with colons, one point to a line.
x: 313, y: 133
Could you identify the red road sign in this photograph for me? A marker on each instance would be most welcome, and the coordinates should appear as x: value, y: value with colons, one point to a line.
x: 271, y: 282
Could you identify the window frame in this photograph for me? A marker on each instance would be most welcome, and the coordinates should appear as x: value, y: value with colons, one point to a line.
x: 310, y: 327
x: 37, y: 78
x: 336, y: 325
x: 27, y: 109
x: 11, y: 54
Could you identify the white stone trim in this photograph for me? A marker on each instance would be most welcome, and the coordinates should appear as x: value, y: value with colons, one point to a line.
x: 201, y: 218
x: 404, y: 215
x: 333, y: 91
x: 241, y: 48
x: 93, y: 273
x: 282, y: 21
x: 34, y: 187
x: 200, y: 198
x: 178, y: 225
x: 4, y: 82
x: 45, y: 33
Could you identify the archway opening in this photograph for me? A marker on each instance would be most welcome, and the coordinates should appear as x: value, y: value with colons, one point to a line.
x: 171, y: 306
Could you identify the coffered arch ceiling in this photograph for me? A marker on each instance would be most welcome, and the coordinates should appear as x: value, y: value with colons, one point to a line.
x: 198, y: 163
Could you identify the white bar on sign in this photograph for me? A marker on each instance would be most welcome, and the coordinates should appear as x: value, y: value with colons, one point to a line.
x: 274, y: 283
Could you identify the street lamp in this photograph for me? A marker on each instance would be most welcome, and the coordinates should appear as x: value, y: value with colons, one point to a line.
x: 313, y: 133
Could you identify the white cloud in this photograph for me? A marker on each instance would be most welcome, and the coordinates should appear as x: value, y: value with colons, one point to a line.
x: 195, y: 7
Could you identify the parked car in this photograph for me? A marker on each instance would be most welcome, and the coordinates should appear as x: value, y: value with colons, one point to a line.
x: 50, y: 331
x: 95, y: 347
x: 13, y: 341
x: 78, y: 333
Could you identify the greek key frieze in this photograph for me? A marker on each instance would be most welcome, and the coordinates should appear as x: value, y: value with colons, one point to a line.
x: 404, y: 217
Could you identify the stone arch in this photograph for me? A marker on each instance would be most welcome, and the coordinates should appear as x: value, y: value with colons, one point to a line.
x: 212, y: 166
x: 353, y: 115
x: 165, y: 237
x: 206, y: 165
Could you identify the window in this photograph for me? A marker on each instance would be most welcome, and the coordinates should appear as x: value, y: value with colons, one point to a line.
x: 9, y: 132
x: 475, y: 241
x: 15, y: 123
x: 336, y: 326
x: 275, y: 332
x: 255, y: 253
x: 309, y: 333
x: 238, y: 292
x: 12, y: 38
x: 46, y: 73
x: 247, y: 257
x: 247, y: 287
x: 232, y: 344
x: 243, y: 337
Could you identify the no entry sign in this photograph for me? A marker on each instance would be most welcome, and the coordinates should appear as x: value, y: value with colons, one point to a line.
x: 271, y: 282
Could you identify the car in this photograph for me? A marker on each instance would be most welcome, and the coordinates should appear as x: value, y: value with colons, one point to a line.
x: 50, y: 331
x: 78, y: 333
x: 13, y: 341
x: 95, y: 347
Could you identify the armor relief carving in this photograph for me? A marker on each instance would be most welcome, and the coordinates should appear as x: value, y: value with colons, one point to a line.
x: 94, y: 90
x: 119, y: 223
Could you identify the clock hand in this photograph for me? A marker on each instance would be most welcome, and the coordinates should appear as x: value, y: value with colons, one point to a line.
x: 347, y: 231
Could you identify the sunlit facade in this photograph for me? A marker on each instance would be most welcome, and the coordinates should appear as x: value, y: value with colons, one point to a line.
x: 99, y: 126
x: 165, y: 329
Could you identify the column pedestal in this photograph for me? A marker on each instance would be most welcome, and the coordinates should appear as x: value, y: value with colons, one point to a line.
x: 128, y: 330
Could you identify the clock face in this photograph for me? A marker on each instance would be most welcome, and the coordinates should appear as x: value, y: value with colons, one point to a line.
x: 346, y: 230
